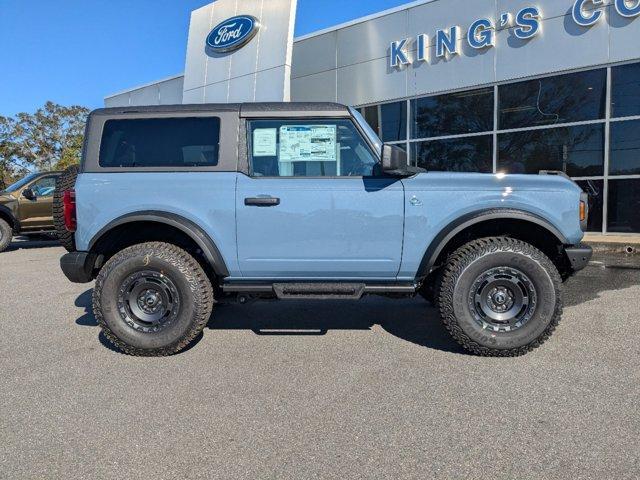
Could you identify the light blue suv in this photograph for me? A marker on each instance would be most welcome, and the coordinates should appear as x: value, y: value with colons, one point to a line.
x: 177, y: 208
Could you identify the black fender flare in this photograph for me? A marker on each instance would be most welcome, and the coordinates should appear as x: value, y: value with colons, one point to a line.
x: 8, y: 214
x: 191, y: 229
x: 447, y: 233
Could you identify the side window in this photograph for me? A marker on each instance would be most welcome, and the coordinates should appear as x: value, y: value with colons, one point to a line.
x: 160, y: 142
x: 44, y: 187
x: 314, y: 148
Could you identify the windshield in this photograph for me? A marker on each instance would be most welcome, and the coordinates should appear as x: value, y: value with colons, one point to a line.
x: 20, y: 183
x: 373, y: 138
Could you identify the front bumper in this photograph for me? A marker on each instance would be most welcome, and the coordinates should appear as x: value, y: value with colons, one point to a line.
x: 78, y: 266
x: 579, y: 256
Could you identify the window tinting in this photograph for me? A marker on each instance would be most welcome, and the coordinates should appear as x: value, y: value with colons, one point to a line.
x: 595, y: 189
x: 394, y: 122
x: 624, y: 205
x: 625, y: 90
x: 160, y: 142
x: 547, y: 101
x: 471, y: 154
x: 452, y: 114
x: 577, y: 151
x: 625, y: 148
x: 315, y: 148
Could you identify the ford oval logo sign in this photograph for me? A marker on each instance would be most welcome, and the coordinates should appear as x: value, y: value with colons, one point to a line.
x: 233, y: 34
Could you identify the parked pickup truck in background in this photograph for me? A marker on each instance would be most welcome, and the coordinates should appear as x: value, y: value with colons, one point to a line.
x: 177, y: 208
x: 26, y: 207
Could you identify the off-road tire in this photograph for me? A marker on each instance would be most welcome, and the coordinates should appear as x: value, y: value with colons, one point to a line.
x: 480, y: 256
x: 194, y: 292
x: 64, y: 182
x: 6, y: 234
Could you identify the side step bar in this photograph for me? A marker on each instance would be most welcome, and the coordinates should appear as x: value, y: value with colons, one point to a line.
x: 319, y: 290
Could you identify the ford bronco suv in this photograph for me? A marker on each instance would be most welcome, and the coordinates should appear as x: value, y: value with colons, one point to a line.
x: 26, y: 207
x: 177, y: 208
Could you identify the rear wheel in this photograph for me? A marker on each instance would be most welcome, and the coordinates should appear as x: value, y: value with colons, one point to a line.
x: 500, y: 297
x: 6, y: 234
x: 64, y: 182
x: 152, y: 299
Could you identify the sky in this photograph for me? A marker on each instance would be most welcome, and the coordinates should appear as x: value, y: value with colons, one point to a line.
x: 76, y: 52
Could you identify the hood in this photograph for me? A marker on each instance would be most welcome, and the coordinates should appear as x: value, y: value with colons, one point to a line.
x: 451, y: 181
x: 6, y: 198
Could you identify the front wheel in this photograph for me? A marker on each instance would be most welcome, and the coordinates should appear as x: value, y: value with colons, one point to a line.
x: 500, y: 297
x: 152, y: 299
x: 6, y: 233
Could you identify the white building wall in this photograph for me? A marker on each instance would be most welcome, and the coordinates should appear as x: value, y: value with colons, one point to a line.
x: 164, y: 92
x: 350, y: 63
x: 259, y: 71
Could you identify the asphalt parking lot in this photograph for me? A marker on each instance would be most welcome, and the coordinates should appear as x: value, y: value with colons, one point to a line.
x: 316, y: 390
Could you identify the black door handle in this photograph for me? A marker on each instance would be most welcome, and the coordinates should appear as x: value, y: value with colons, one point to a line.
x: 262, y: 201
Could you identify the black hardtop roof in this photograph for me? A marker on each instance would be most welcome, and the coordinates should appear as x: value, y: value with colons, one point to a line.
x: 243, y: 109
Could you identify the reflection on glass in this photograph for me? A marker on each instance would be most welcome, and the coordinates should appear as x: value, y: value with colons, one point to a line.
x: 470, y: 154
x: 624, y: 205
x: 547, y: 101
x: 452, y: 114
x: 577, y: 151
x: 394, y: 121
x: 308, y: 148
x: 625, y: 148
x: 625, y: 90
x: 595, y: 189
x: 370, y: 114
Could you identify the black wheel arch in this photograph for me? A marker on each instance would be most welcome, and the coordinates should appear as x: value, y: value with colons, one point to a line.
x: 7, y: 215
x: 446, y: 239
x: 178, y: 222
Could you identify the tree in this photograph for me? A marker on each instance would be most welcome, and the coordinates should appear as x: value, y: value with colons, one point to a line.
x: 52, y: 137
x: 10, y: 165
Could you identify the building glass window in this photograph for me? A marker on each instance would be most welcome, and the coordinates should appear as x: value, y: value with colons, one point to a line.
x: 454, y: 132
x: 577, y: 151
x: 469, y: 154
x: 393, y: 124
x: 624, y: 205
x: 370, y: 114
x: 625, y: 90
x: 568, y: 98
x: 625, y: 148
x: 595, y: 189
x: 452, y: 114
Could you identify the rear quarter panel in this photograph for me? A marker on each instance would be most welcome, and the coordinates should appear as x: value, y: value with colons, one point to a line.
x: 205, y: 198
x: 445, y: 197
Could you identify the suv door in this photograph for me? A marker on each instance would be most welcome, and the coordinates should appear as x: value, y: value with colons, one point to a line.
x: 37, y: 214
x: 312, y: 206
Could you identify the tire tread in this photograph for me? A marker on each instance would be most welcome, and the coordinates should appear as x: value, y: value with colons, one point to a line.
x: 460, y: 260
x: 203, y: 295
x: 64, y: 182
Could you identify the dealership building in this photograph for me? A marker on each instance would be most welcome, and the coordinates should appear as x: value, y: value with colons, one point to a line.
x: 513, y: 86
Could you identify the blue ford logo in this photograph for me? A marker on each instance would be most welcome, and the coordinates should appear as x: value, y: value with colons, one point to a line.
x: 233, y: 34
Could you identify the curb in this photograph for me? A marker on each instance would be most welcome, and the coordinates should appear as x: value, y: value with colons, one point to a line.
x: 610, y: 247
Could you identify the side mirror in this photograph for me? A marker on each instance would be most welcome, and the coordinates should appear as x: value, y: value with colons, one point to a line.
x: 394, y: 160
x: 29, y: 194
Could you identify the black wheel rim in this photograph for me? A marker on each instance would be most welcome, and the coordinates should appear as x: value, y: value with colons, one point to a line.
x: 502, y: 299
x: 148, y: 301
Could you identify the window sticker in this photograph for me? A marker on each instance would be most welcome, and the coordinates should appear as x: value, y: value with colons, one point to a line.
x: 264, y: 142
x: 308, y: 143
